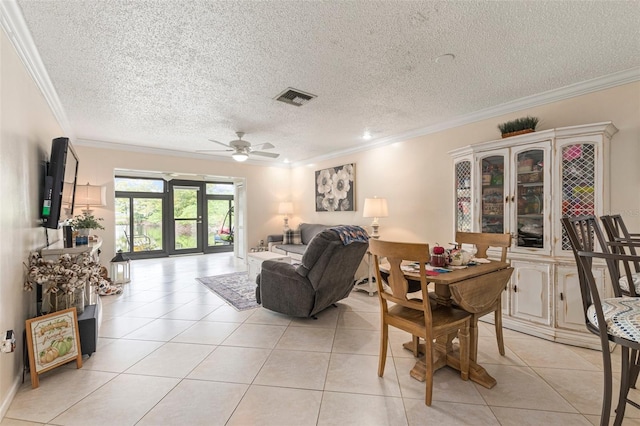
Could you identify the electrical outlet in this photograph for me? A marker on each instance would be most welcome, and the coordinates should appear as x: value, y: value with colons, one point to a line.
x: 9, y: 342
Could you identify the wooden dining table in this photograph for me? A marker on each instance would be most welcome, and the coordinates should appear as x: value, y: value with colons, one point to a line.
x: 473, y: 289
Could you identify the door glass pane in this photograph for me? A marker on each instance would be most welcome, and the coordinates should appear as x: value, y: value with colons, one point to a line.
x: 220, y: 220
x: 122, y: 224
x: 578, y: 182
x: 186, y: 232
x: 530, y: 193
x: 185, y: 215
x: 147, y: 224
x: 492, y: 217
x: 463, y: 196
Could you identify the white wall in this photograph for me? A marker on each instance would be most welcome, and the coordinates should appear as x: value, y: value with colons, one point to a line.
x: 416, y: 176
x: 26, y: 129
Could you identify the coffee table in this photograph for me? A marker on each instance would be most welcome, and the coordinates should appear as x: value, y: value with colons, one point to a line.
x: 255, y: 259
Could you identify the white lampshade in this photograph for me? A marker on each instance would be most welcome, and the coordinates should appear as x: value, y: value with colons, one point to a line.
x: 240, y: 156
x: 90, y: 196
x: 375, y: 208
x: 285, y: 208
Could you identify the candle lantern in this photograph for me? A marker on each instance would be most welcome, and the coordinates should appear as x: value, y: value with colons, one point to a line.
x: 120, y: 269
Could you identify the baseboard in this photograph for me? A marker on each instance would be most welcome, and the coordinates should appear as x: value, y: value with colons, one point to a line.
x: 12, y: 393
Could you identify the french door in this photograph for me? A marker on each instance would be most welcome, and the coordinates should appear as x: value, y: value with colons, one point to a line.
x: 155, y: 217
x: 186, y: 217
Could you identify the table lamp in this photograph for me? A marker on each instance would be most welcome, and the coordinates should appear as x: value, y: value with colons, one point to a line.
x: 286, y: 208
x: 90, y: 196
x: 375, y: 207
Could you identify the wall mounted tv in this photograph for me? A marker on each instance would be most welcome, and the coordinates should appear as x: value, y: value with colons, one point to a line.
x: 60, y: 183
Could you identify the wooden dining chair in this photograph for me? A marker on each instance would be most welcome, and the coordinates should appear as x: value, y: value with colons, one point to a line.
x: 614, y: 319
x: 420, y: 317
x: 621, y: 241
x: 482, y: 242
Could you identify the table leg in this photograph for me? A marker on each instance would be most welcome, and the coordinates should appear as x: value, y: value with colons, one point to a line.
x: 448, y: 354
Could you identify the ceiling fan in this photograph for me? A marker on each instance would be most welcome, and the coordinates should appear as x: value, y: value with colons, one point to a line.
x: 241, y: 148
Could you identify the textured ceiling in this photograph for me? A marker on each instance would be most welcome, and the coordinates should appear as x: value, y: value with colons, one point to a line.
x: 172, y: 74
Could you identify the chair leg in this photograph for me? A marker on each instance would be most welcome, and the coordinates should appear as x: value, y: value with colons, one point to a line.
x: 635, y: 368
x: 384, y: 343
x: 428, y: 376
x: 463, y: 339
x: 498, y: 324
x: 606, y: 397
x: 625, y: 377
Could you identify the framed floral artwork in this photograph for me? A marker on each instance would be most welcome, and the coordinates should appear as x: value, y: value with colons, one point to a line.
x: 52, y: 340
x: 335, y: 188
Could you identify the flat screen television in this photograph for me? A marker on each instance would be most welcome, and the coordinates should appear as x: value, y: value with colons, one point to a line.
x: 60, y: 182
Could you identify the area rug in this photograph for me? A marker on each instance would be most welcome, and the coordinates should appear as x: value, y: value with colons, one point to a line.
x: 235, y: 288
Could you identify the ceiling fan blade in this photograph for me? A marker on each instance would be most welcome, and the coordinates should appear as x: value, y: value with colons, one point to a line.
x: 215, y: 150
x: 219, y: 143
x: 265, y: 145
x: 265, y: 154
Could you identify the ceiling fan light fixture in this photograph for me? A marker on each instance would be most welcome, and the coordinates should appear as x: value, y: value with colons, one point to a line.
x: 240, y: 156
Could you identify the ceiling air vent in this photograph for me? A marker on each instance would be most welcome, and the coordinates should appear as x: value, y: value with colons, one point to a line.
x: 294, y: 97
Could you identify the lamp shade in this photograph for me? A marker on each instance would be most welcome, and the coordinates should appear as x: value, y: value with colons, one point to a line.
x: 90, y: 195
x: 285, y: 208
x: 375, y: 207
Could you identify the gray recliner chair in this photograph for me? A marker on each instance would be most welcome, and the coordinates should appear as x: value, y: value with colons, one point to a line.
x: 324, y: 276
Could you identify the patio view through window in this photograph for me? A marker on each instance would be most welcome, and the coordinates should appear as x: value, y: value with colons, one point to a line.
x: 157, y: 217
x: 139, y: 214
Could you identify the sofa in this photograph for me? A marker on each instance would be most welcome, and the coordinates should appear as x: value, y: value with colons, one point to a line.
x: 323, y: 277
x: 298, y: 242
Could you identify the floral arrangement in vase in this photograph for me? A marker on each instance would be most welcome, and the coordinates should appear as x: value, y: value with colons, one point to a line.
x: 63, y: 280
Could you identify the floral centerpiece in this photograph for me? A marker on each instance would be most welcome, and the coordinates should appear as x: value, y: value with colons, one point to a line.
x: 63, y: 280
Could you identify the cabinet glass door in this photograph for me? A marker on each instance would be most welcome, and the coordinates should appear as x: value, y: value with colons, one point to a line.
x: 530, y: 198
x: 492, y: 217
x: 463, y: 196
x: 578, y: 182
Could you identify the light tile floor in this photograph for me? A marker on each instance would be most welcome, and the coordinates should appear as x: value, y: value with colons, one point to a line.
x: 173, y: 353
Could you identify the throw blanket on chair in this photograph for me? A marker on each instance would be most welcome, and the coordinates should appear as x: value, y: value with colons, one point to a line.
x: 349, y: 234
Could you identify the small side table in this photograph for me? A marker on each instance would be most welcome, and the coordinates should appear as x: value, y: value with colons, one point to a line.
x: 255, y: 259
x: 369, y: 286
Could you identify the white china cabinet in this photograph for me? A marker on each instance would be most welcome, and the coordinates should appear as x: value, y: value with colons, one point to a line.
x: 523, y: 185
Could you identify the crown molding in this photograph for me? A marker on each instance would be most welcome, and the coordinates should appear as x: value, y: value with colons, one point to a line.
x: 571, y: 91
x: 16, y: 29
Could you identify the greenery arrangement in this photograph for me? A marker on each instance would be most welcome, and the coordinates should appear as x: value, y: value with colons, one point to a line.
x: 524, y: 123
x: 86, y: 221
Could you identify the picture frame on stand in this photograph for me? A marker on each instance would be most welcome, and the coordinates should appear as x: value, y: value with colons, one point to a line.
x: 52, y: 340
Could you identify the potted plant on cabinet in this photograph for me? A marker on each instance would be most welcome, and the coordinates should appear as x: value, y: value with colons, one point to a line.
x: 84, y: 223
x: 519, y: 126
